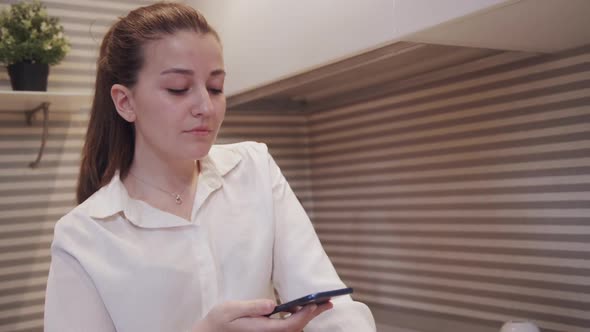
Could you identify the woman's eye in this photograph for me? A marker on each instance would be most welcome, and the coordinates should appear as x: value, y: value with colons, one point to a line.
x: 177, y: 91
x: 216, y: 91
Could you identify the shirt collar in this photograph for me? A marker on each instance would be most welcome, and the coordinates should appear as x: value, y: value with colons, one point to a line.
x: 114, y: 198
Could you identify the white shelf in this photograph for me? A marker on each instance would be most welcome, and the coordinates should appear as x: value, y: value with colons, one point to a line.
x: 19, y: 101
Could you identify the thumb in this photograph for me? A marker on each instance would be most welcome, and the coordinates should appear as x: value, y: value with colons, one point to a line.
x: 253, y: 308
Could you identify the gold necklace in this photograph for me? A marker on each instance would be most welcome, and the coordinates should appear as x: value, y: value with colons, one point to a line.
x: 177, y: 196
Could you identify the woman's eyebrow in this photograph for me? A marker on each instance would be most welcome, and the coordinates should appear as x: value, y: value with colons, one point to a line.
x: 177, y: 71
x: 218, y: 72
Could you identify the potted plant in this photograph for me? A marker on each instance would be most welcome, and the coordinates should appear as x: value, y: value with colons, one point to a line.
x: 30, y: 41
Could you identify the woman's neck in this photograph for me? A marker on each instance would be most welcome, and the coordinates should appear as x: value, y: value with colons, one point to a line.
x: 163, y: 182
x: 164, y: 172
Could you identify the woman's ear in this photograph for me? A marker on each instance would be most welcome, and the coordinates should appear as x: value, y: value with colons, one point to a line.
x: 123, y: 100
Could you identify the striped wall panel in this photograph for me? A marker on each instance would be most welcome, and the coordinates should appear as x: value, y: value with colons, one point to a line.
x: 463, y: 200
x: 31, y: 201
x: 286, y: 135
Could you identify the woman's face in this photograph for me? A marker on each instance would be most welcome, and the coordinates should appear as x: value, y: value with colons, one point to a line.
x: 178, y: 99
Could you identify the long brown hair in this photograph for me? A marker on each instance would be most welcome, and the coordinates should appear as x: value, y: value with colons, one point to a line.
x: 110, y: 140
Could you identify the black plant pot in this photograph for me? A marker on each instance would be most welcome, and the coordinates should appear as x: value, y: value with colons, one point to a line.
x: 28, y: 76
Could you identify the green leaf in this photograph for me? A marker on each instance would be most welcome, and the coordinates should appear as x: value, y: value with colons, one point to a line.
x: 28, y: 34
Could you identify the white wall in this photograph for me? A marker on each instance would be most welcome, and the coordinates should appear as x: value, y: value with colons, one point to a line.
x: 266, y: 40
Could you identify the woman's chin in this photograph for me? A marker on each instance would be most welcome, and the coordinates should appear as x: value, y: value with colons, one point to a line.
x: 200, y: 153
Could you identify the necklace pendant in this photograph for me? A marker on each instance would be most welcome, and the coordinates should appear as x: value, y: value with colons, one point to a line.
x: 178, y: 199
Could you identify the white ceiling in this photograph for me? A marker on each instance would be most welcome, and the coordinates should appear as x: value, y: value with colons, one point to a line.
x: 520, y: 25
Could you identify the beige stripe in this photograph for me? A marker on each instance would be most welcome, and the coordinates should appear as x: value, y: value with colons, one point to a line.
x: 38, y: 130
x: 16, y: 312
x: 81, y: 53
x: 263, y: 120
x: 65, y: 14
x: 37, y: 184
x: 457, y: 158
x: 295, y: 173
x: 123, y: 6
x: 76, y: 65
x: 36, y: 267
x: 364, y: 177
x: 20, y: 283
x: 29, y: 325
x: 29, y: 296
x: 7, y: 215
x: 72, y: 88
x: 69, y: 144
x: 275, y: 139
x: 83, y: 41
x: 58, y: 116
x: 437, y: 227
x: 33, y: 228
x: 433, y: 188
x: 15, y: 265
x: 242, y: 130
x: 27, y: 171
x: 25, y: 254
x: 459, y: 241
x: 360, y: 202
x: 429, y: 282
x: 497, y: 213
x: 84, y: 29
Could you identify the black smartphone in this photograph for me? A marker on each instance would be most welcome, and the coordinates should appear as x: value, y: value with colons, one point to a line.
x: 317, y: 298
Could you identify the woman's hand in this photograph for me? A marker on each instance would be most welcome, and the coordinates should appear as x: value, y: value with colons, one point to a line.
x: 249, y: 316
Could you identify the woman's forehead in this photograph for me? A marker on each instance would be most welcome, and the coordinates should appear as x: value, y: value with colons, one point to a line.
x: 185, y: 49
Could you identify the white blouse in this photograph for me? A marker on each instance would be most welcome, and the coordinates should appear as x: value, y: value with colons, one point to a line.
x: 119, y: 264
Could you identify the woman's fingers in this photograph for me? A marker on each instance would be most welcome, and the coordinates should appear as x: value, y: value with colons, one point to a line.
x: 238, y: 309
x: 324, y: 307
x: 298, y: 320
x: 249, y: 316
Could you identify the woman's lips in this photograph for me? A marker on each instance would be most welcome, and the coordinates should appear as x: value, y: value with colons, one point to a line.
x: 199, y: 131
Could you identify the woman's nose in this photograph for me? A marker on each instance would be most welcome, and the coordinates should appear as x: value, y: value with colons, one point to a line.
x: 203, y: 104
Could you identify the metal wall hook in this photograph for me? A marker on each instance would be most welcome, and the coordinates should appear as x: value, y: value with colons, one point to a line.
x: 29, y: 118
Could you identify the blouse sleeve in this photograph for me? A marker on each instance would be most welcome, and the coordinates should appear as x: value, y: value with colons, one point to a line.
x: 301, y: 266
x: 72, y: 302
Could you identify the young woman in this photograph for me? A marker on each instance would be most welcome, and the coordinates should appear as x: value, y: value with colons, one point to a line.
x: 172, y: 233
